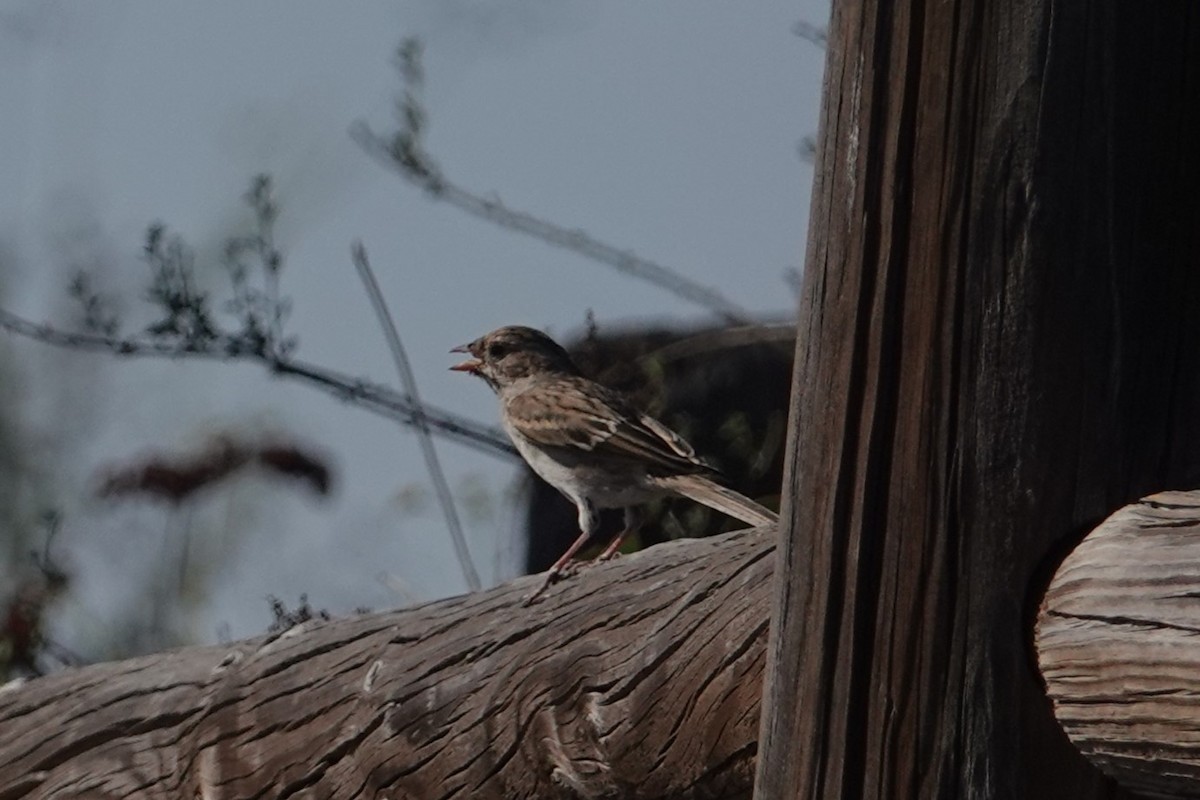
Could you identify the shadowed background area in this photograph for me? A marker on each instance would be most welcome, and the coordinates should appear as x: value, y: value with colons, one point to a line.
x: 724, y: 389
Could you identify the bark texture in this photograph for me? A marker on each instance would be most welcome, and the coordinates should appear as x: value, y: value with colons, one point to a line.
x: 637, y: 679
x: 998, y: 345
x: 1117, y: 644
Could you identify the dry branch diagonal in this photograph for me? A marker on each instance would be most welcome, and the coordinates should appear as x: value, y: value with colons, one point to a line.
x: 428, y: 451
x: 577, y: 241
x: 371, y: 396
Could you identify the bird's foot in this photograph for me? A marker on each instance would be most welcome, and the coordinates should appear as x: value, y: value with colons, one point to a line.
x: 552, y: 577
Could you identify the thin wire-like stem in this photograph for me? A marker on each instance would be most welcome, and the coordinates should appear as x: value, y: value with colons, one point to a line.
x: 371, y: 396
x: 185, y: 551
x: 409, y: 381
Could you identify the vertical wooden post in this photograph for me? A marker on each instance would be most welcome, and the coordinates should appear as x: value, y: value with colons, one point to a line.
x: 999, y: 344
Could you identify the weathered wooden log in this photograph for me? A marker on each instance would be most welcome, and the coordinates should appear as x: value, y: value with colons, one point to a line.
x: 638, y: 678
x: 1118, y: 642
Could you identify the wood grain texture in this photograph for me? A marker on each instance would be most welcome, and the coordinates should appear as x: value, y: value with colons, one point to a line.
x: 997, y: 344
x: 1118, y: 642
x: 637, y: 679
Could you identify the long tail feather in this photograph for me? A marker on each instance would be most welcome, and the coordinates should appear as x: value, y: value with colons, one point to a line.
x: 716, y: 496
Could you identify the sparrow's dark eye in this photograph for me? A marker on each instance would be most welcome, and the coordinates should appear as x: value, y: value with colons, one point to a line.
x: 497, y: 351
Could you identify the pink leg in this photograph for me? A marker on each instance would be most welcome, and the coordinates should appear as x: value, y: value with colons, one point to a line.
x: 588, y: 520
x: 633, y: 521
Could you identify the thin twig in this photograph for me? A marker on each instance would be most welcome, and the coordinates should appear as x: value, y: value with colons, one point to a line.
x: 578, y: 241
x: 371, y: 396
x: 185, y: 548
x: 813, y: 34
x: 409, y: 381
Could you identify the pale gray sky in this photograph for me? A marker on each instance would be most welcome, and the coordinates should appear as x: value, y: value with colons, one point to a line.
x: 667, y: 128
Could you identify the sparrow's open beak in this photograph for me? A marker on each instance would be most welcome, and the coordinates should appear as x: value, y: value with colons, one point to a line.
x: 471, y: 365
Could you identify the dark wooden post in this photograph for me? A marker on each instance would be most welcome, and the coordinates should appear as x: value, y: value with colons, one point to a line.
x: 999, y: 344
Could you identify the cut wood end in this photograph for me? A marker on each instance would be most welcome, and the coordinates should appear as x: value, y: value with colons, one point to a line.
x: 1118, y: 644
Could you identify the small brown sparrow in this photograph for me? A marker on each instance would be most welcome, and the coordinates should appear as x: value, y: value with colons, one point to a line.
x: 586, y: 441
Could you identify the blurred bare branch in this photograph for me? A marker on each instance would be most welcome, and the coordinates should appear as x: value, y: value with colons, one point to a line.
x: 23, y: 608
x: 188, y: 326
x: 404, y: 152
x: 806, y: 149
x: 409, y: 381
x: 287, y: 618
x: 98, y: 316
x: 813, y: 34
x: 369, y: 395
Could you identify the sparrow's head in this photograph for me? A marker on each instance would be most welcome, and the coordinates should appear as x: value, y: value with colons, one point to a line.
x: 513, y: 352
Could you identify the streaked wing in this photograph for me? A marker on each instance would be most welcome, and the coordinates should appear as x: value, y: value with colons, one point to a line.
x: 576, y: 413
